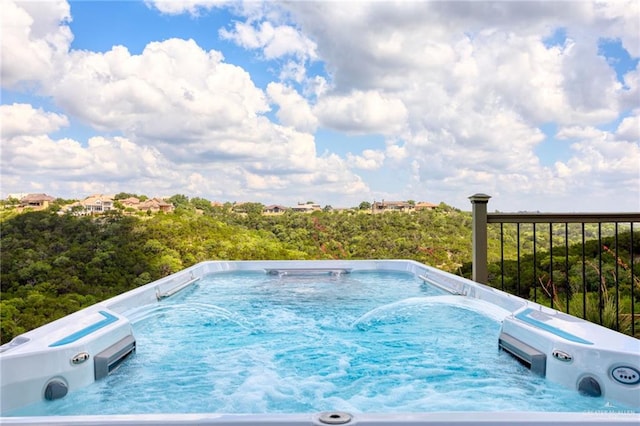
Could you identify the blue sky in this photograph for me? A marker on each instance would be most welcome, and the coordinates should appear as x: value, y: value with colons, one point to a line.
x: 534, y: 103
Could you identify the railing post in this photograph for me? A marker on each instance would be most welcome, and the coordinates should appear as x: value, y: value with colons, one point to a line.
x: 479, y: 233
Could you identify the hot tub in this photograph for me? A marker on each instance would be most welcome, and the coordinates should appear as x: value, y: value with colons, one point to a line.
x: 65, y: 361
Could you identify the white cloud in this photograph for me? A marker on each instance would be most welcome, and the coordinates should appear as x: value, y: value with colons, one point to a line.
x: 23, y: 119
x: 173, y: 90
x: 619, y: 19
x: 274, y: 41
x: 192, y: 7
x: 294, y: 111
x: 69, y: 168
x: 293, y: 71
x: 114, y: 160
x: 461, y: 50
x: 362, y: 112
x: 631, y: 91
x: 476, y: 81
x: 395, y: 152
x: 601, y: 169
x: 264, y: 160
x: 605, y: 162
x: 34, y: 36
x: 590, y: 85
x: 369, y: 160
x: 577, y: 132
x: 629, y: 128
x: 460, y: 90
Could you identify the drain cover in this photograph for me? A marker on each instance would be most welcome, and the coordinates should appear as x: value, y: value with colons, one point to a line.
x: 335, y: 418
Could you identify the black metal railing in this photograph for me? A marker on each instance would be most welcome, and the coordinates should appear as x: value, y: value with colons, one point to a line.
x: 585, y: 264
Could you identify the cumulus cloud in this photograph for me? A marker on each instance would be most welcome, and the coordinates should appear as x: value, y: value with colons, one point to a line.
x: 578, y: 132
x: 103, y: 163
x: 619, y: 20
x: 395, y: 152
x: 362, y: 112
x: 194, y: 108
x: 477, y: 80
x: 461, y: 92
x: 25, y: 120
x: 172, y: 90
x: 599, y: 159
x: 629, y: 128
x: 35, y: 35
x: 273, y: 41
x: 590, y: 85
x: 493, y: 48
x: 294, y: 109
x: 369, y: 160
x: 25, y: 140
x: 631, y: 89
x: 192, y: 7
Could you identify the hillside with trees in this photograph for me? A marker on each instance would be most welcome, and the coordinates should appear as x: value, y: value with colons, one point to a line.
x: 54, y: 264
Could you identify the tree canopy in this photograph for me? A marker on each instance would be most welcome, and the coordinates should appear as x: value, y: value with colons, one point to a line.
x: 55, y: 264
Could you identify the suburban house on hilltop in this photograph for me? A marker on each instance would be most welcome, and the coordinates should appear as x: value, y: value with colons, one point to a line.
x: 400, y: 206
x: 274, y: 209
x: 131, y: 202
x: 93, y: 204
x: 155, y: 205
x: 392, y: 206
x: 97, y: 204
x: 423, y: 205
x: 36, y: 201
x: 306, y: 208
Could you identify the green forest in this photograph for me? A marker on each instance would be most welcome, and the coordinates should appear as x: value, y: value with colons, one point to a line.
x: 53, y: 264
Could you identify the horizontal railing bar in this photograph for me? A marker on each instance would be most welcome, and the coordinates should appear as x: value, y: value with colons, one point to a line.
x: 562, y: 217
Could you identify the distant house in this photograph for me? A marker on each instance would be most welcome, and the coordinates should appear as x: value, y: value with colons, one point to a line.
x: 97, y: 203
x: 423, y: 205
x: 274, y: 209
x: 156, y: 205
x: 36, y: 201
x: 306, y: 208
x: 93, y: 204
x: 392, y: 206
x: 131, y: 202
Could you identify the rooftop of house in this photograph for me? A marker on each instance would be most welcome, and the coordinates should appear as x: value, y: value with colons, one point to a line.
x: 29, y: 198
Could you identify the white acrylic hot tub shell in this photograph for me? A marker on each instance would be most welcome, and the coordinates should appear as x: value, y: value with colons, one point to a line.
x: 27, y: 368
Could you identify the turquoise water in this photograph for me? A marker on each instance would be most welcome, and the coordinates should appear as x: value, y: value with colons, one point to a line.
x: 362, y: 342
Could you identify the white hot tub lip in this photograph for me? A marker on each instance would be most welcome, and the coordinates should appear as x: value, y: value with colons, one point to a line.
x: 595, y: 350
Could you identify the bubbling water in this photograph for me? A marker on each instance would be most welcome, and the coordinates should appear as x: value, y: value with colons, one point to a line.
x: 364, y: 342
